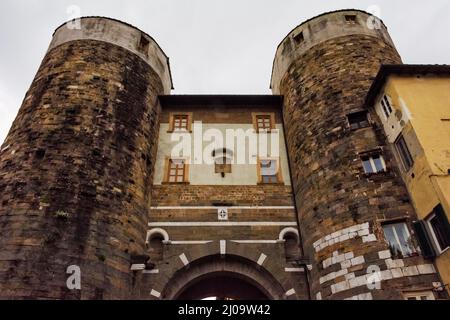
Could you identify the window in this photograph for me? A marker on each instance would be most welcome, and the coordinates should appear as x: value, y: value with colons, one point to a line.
x: 222, y: 160
x: 419, y: 295
x: 373, y: 163
x: 439, y: 228
x: 399, y: 239
x: 177, y: 171
x: 180, y: 122
x: 299, y: 38
x: 144, y: 44
x: 156, y: 246
x: 403, y: 151
x: 386, y: 106
x: 269, y: 171
x: 291, y: 247
x: 358, y: 120
x: 263, y: 122
x: 350, y: 19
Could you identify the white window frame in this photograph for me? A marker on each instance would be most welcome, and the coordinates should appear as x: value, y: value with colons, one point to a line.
x: 433, y: 235
x: 413, y: 250
x: 372, y: 164
x: 418, y: 294
x: 386, y: 105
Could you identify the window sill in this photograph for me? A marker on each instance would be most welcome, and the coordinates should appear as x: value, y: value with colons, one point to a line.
x: 175, y: 183
x: 173, y: 131
x: 359, y: 128
x: 270, y: 184
x: 376, y: 174
x: 438, y: 254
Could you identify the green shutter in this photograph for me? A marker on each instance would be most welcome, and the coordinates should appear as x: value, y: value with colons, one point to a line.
x: 424, y: 240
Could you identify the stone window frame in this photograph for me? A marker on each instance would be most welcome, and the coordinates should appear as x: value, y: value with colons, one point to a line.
x: 172, y: 117
x: 143, y: 44
x: 417, y: 295
x: 256, y: 115
x: 360, y: 124
x: 411, y: 245
x: 350, y: 19
x: 279, y: 174
x: 371, y: 154
x: 167, y: 169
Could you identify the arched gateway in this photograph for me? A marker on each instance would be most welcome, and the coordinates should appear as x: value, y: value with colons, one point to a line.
x: 227, y: 277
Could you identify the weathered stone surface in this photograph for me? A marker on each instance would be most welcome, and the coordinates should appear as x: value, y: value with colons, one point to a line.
x: 81, y: 145
x: 321, y: 86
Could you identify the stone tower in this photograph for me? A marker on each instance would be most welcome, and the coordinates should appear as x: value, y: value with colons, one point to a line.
x: 324, y: 69
x: 77, y: 165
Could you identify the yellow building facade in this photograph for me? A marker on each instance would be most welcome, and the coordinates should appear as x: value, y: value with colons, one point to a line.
x: 413, y: 103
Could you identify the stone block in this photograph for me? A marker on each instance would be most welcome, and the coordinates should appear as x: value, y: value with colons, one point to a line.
x: 385, y: 254
x: 357, y: 260
x: 426, y: 268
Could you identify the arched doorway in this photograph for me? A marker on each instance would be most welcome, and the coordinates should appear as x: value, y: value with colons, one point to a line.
x: 222, y: 286
x: 223, y: 277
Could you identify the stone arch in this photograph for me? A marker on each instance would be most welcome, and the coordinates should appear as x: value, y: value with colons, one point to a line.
x: 291, y: 239
x: 232, y: 267
x: 156, y: 238
x: 289, y: 230
x: 157, y: 231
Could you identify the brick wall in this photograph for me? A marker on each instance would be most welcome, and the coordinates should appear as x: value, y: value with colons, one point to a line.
x: 82, y: 145
x: 331, y: 190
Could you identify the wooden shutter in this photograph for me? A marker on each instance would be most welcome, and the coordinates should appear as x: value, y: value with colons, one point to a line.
x: 424, y: 240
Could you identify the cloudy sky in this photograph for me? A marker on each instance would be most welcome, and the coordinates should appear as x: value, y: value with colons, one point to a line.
x: 215, y: 46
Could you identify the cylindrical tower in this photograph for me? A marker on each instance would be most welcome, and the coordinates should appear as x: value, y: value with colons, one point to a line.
x: 76, y: 167
x: 324, y: 68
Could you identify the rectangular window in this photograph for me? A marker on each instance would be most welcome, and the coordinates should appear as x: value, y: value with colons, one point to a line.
x: 269, y: 171
x: 439, y: 228
x: 263, y: 122
x: 180, y: 122
x: 418, y: 295
x: 350, y: 19
x: 177, y: 171
x: 299, y: 38
x: 403, y: 151
x: 373, y: 163
x: 144, y: 44
x: 386, y: 106
x: 358, y: 120
x: 399, y: 239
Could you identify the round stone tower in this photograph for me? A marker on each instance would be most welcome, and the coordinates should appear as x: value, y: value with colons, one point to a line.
x: 324, y: 68
x: 76, y: 167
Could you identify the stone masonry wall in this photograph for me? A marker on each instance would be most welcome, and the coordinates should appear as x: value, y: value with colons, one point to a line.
x: 75, y: 174
x: 341, y: 208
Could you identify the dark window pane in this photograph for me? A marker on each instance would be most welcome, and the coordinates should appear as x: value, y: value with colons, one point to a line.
x: 439, y: 232
x: 404, y: 153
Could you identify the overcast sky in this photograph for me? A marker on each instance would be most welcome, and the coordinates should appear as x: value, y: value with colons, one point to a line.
x: 214, y: 46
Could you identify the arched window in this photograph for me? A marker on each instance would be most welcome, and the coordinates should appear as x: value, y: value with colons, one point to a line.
x: 155, y: 247
x: 155, y: 243
x: 222, y: 159
x: 291, y: 243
